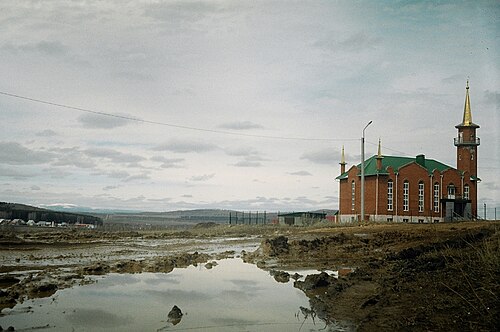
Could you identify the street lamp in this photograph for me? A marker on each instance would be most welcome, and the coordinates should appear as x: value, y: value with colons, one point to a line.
x: 363, y: 172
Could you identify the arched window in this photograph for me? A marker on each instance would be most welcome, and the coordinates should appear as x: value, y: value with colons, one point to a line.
x: 420, y: 196
x: 451, y: 191
x: 436, y: 197
x: 406, y: 195
x: 353, y: 195
x: 466, y: 191
x: 390, y: 197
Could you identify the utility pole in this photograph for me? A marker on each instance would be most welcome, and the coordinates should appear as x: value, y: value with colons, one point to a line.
x: 363, y: 172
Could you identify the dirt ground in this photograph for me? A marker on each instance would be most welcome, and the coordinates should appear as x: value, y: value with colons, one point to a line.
x: 392, y: 277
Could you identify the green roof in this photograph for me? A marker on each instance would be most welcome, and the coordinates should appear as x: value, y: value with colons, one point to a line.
x: 396, y: 163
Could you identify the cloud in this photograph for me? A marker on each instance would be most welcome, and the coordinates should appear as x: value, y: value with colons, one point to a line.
x: 34, y: 187
x: 185, y: 146
x: 13, y: 153
x: 107, y: 188
x: 46, y: 133
x: 55, y: 172
x: 169, y: 162
x: 326, y: 156
x: 354, y: 43
x: 180, y: 12
x: 491, y: 185
x: 95, y: 121
x: 51, y: 48
x: 113, y: 155
x: 248, y: 163
x: 115, y: 174
x: 241, y: 151
x: 492, y: 97
x: 133, y: 76
x: 240, y: 125
x: 74, y: 158
x: 204, y: 177
x: 301, y: 173
x: 187, y: 196
x: 143, y: 176
x: 16, y: 173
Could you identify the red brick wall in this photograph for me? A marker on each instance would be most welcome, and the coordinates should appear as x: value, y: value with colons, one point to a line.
x: 413, y: 173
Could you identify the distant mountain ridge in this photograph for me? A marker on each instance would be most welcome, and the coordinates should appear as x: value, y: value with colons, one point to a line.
x: 28, y: 212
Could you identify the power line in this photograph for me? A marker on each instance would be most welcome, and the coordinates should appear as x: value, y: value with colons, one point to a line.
x: 214, y: 131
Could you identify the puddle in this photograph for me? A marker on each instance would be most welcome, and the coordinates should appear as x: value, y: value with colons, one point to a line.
x: 230, y: 296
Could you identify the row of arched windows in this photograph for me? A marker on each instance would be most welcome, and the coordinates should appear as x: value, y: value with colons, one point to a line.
x: 406, y: 195
x: 421, y: 195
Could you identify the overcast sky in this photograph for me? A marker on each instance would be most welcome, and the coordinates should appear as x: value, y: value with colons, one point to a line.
x: 239, y: 104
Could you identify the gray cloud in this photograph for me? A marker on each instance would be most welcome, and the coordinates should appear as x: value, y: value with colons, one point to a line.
x: 204, y: 177
x: 13, y: 153
x: 492, y: 97
x: 46, y: 133
x: 491, y: 185
x: 95, y: 121
x: 301, y: 173
x: 142, y: 176
x: 180, y: 12
x: 241, y: 151
x: 326, y: 156
x: 74, y: 158
x: 113, y: 155
x: 133, y: 76
x: 169, y: 162
x: 240, y: 125
x: 112, y: 174
x: 17, y: 173
x: 354, y: 43
x: 55, y: 172
x: 186, y: 146
x: 51, y: 48
x: 107, y: 188
x: 248, y: 163
x: 35, y: 187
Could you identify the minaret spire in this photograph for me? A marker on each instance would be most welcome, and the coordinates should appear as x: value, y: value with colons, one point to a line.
x: 342, y: 162
x: 467, y: 118
x: 467, y: 121
x: 379, y: 156
x: 379, y: 153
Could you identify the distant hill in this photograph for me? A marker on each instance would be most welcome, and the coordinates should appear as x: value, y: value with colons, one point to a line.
x: 27, y: 212
x: 188, y: 217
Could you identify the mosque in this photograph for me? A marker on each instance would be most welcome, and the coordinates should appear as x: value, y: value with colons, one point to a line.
x: 419, y: 190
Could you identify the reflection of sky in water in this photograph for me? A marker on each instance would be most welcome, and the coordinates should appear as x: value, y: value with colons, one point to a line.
x: 233, y: 296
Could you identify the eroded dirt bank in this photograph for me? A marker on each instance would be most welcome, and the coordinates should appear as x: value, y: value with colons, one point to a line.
x: 406, y: 277
x: 392, y: 277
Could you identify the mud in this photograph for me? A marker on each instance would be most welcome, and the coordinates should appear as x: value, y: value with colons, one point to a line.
x: 393, y: 277
x: 397, y: 277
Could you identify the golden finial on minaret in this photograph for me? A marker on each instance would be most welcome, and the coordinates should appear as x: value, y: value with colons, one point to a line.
x: 342, y: 157
x: 467, y: 120
x: 342, y: 161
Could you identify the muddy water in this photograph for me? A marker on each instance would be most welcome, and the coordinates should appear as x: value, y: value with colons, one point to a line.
x: 230, y: 296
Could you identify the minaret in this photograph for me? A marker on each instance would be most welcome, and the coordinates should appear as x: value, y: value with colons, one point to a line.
x: 379, y: 157
x: 342, y: 162
x: 467, y: 142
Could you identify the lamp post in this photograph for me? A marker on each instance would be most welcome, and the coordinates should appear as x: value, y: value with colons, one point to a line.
x: 363, y: 172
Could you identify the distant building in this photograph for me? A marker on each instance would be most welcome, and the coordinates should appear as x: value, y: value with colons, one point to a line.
x: 300, y: 218
x: 406, y: 189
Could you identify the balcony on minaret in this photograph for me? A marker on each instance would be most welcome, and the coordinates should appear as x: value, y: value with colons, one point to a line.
x: 460, y: 140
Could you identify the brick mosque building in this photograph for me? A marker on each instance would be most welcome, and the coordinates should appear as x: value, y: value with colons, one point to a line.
x: 406, y: 189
